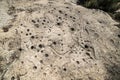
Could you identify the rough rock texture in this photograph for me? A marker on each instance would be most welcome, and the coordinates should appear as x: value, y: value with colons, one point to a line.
x: 57, y: 40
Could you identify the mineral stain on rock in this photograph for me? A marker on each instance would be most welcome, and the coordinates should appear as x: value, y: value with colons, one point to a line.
x: 58, y: 40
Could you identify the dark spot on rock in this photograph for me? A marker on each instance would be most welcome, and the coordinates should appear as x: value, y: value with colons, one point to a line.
x: 59, y: 17
x: 5, y: 29
x: 60, y: 11
x: 100, y: 21
x: 86, y: 46
x: 1, y: 70
x: 83, y: 59
x: 12, y: 78
x: 40, y: 45
x: 22, y: 62
x: 90, y: 78
x: 41, y: 61
x: 35, y: 56
x: 51, y: 65
x: 46, y: 55
x: 45, y: 74
x: 20, y: 49
x: 36, y: 37
x: 21, y: 31
x: 65, y: 14
x: 34, y: 67
x: 28, y: 30
x: 67, y: 7
x: 44, y: 20
x: 111, y: 57
x: 42, y: 23
x: 44, y: 26
x: 18, y: 77
x: 14, y: 56
x: 12, y: 8
x: 72, y: 29
x: 58, y: 24
x: 26, y: 34
x: 30, y: 33
x: 91, y: 57
x: 32, y: 37
x: 77, y: 62
x: 59, y: 34
x: 71, y: 17
x: 87, y: 22
x: 21, y: 24
x: 119, y: 35
x: 54, y: 43
x: 33, y: 21
x: 41, y: 51
x: 87, y: 54
x: 64, y: 69
x: 32, y: 47
x: 1, y: 58
x: 38, y: 50
x: 38, y: 20
x: 78, y: 11
x: 37, y: 25
x: 74, y: 18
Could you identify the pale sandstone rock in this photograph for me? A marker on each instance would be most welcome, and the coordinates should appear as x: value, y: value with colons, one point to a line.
x: 57, y: 40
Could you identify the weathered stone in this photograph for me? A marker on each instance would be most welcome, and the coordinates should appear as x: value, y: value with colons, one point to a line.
x: 58, y: 40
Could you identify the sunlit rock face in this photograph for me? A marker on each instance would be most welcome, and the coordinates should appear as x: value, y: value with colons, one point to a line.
x: 58, y: 40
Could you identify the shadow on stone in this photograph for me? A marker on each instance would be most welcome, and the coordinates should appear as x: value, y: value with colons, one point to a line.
x: 113, y: 71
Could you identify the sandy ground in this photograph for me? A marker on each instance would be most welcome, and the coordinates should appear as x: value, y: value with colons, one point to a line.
x: 57, y: 40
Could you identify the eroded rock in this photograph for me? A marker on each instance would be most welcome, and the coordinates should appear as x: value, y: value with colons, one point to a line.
x: 58, y: 40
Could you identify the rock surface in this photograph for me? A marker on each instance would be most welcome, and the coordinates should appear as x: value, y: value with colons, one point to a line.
x: 57, y: 40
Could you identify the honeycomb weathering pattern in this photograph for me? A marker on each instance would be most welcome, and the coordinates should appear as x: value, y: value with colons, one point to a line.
x: 58, y: 40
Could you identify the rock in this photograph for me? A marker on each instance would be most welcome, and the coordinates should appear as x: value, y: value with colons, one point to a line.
x: 58, y: 40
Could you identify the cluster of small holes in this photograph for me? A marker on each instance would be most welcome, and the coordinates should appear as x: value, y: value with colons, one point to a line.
x: 44, y: 22
x: 58, y: 45
x: 28, y: 32
x: 41, y: 22
x: 61, y: 15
